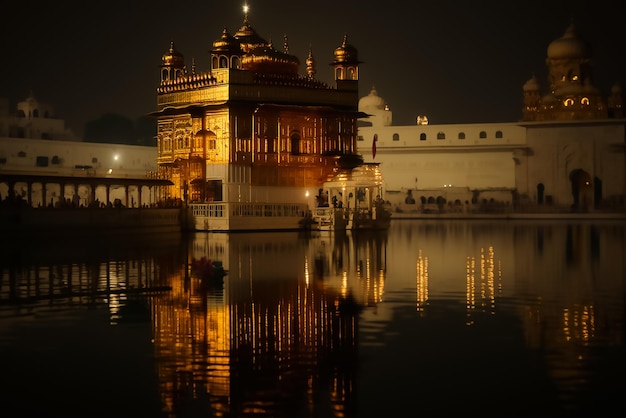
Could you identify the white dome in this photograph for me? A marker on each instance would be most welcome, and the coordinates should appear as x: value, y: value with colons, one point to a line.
x: 372, y: 102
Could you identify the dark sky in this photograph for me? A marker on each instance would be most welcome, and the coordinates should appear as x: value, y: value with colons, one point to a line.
x: 454, y: 61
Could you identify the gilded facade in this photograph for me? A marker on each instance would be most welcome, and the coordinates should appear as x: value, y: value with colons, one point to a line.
x: 251, y: 128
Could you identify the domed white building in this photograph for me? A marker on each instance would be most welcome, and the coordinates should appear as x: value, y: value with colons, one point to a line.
x: 566, y: 154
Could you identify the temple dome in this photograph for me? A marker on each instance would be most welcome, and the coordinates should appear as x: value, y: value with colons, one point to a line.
x: 568, y: 46
x: 531, y: 85
x: 346, y: 53
x: 266, y: 59
x: 173, y: 58
x: 372, y: 101
x: 227, y: 43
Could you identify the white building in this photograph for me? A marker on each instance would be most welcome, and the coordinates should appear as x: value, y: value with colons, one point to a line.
x: 35, y: 145
x: 566, y: 154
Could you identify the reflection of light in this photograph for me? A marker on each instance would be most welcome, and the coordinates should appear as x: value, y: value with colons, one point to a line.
x: 470, y: 284
x: 115, y: 157
x: 109, y: 171
x: 579, y: 323
x: 307, y: 193
x: 307, y: 272
x: 422, y: 281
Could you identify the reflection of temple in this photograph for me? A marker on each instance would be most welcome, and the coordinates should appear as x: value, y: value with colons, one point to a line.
x: 352, y: 263
x: 275, y: 330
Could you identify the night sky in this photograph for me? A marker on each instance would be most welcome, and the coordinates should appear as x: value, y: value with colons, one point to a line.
x: 454, y: 61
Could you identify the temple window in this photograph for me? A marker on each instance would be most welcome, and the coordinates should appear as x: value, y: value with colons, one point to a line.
x: 498, y: 134
x: 584, y: 101
x: 461, y: 135
x: 396, y: 137
x: 422, y: 137
x: 568, y: 102
x: 482, y: 135
x: 441, y: 135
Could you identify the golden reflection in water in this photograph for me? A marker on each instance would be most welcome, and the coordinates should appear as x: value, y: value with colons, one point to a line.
x: 422, y: 281
x: 470, y: 285
x: 287, y: 334
x: 490, y: 282
x: 579, y: 323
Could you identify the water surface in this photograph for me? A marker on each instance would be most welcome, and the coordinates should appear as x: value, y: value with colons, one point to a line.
x: 493, y: 319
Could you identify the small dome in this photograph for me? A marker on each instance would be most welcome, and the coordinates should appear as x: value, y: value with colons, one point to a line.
x: 568, y: 46
x: 248, y: 38
x: 226, y: 43
x: 173, y: 58
x: 346, y: 53
x: 372, y: 101
x: 549, y: 98
x: 531, y: 85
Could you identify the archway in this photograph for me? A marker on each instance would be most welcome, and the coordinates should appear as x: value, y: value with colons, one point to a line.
x: 295, y: 143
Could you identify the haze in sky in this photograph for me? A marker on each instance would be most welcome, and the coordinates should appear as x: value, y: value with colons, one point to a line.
x: 453, y: 61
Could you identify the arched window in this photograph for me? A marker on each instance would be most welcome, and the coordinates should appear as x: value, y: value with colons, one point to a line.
x: 234, y: 62
x: 56, y: 160
x: 568, y: 102
x: 396, y: 137
x: 223, y: 62
x: 295, y: 143
x: 584, y: 101
x: 498, y: 134
x: 422, y: 136
x: 482, y: 135
x: 441, y: 135
x: 461, y: 135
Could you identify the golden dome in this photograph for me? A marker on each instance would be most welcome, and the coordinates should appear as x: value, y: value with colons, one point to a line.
x: 247, y: 37
x: 266, y: 59
x: 346, y: 53
x: 568, y: 46
x: 226, y: 43
x: 173, y: 58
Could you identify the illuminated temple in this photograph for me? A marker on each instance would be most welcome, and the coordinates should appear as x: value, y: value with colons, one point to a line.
x: 251, y: 128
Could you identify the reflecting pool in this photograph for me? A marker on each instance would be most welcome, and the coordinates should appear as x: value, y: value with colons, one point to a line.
x: 489, y: 318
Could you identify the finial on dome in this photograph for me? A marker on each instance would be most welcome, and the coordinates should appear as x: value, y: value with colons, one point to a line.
x: 310, y: 64
x: 285, y: 44
x: 246, y: 9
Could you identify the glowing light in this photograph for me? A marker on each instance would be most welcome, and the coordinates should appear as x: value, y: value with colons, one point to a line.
x: 116, y: 157
x: 109, y: 171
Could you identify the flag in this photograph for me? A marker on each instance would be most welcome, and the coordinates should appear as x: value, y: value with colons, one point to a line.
x: 374, y: 146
